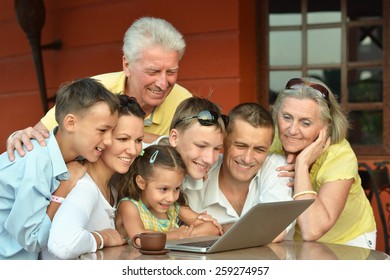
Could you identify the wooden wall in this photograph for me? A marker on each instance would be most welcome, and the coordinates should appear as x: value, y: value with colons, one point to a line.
x: 220, y: 54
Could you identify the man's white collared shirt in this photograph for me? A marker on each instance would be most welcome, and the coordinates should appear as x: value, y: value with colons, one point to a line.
x: 266, y: 186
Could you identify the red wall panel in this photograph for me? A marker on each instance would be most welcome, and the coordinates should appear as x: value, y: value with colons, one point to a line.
x: 91, y: 32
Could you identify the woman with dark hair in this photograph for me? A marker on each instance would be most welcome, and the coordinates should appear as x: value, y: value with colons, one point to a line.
x: 85, y: 223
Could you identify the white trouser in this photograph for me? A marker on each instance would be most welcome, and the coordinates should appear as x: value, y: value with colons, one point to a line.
x: 366, y: 240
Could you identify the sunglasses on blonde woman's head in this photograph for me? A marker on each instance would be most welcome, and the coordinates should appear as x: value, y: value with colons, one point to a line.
x: 206, y: 118
x: 297, y: 83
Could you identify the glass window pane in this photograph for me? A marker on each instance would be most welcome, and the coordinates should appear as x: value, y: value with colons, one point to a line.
x: 358, y: 9
x: 285, y: 12
x: 285, y: 48
x: 323, y: 11
x: 367, y: 127
x: 365, y: 85
x: 323, y: 17
x: 324, y: 46
x: 331, y: 77
x: 285, y: 19
x: 365, y: 43
x: 278, y: 80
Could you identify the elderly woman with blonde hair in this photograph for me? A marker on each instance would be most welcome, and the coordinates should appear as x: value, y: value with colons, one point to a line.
x: 312, y: 130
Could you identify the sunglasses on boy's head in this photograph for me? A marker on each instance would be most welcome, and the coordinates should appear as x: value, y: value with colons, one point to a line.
x: 206, y: 118
x: 297, y: 83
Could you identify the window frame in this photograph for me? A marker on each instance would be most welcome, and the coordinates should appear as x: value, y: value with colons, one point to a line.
x: 344, y: 66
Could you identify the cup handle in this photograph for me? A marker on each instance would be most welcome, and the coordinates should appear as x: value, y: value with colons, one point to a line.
x: 134, y: 241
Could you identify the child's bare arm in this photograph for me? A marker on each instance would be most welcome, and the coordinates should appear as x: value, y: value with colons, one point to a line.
x: 206, y: 228
x: 208, y: 218
x: 201, y: 226
x: 179, y: 233
x: 128, y: 221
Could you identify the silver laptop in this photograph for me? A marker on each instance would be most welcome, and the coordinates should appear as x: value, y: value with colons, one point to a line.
x: 258, y: 227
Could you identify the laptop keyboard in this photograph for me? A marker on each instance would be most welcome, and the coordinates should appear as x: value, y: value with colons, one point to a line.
x: 201, y: 244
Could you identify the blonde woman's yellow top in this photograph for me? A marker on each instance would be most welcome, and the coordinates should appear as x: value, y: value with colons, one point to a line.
x: 339, y: 162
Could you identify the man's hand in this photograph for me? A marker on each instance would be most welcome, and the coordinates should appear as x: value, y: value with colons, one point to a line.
x: 288, y: 170
x: 22, y: 138
x: 208, y: 218
x: 181, y: 232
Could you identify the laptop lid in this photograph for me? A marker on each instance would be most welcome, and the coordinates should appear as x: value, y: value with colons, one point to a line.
x: 258, y: 227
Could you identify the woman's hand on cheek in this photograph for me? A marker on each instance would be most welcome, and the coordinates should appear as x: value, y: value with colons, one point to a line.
x: 312, y: 152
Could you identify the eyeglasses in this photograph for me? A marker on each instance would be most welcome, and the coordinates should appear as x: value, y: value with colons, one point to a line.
x: 296, y: 83
x: 206, y: 118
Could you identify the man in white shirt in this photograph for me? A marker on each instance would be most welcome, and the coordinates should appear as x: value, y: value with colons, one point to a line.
x: 246, y: 173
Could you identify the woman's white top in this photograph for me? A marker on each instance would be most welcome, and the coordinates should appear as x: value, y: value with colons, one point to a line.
x: 85, y: 209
